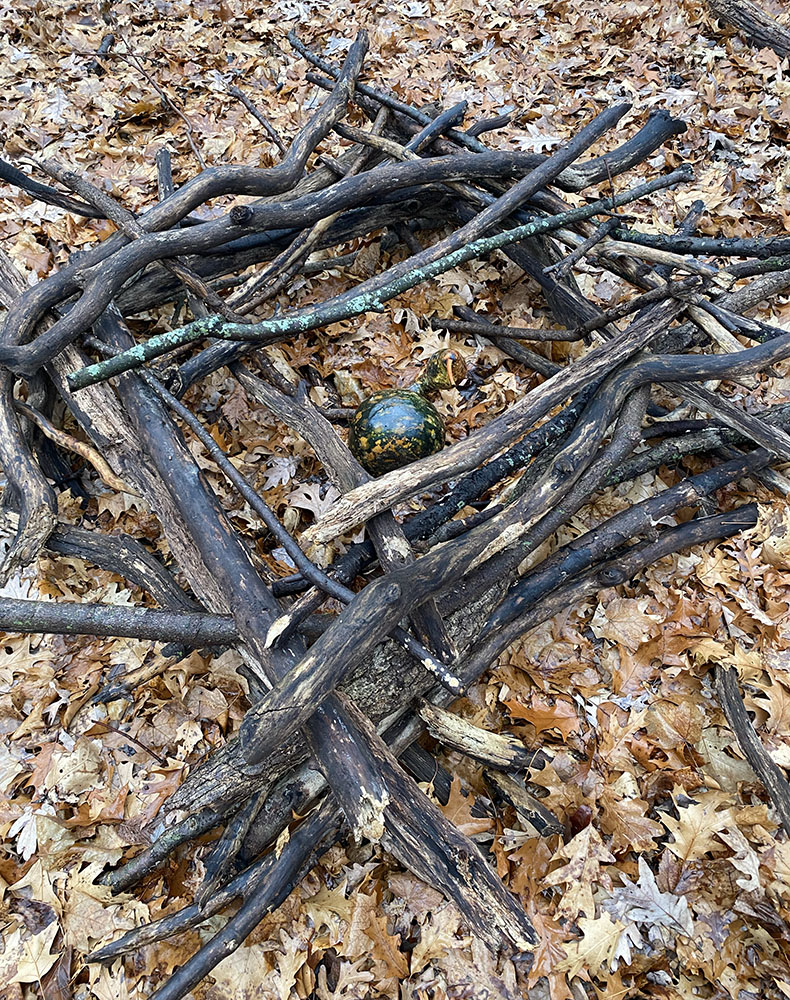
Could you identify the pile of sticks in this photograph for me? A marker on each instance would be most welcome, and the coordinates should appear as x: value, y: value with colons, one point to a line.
x: 339, y: 701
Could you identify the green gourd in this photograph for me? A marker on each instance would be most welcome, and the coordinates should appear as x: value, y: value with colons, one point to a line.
x: 392, y: 428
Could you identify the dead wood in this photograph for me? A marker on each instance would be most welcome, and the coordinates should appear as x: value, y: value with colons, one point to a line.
x: 771, y: 775
x: 338, y: 700
x: 760, y: 29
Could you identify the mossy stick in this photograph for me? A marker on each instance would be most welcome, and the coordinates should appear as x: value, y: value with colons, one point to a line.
x: 344, y: 307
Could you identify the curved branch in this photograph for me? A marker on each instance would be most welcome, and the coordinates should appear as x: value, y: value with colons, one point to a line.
x: 12, y: 175
x: 31, y: 306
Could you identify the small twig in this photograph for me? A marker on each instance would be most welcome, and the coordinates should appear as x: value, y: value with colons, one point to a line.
x: 9, y: 174
x: 259, y: 116
x: 563, y: 267
x: 189, y: 628
x: 134, y: 60
x: 87, y: 451
x: 763, y: 247
x: 225, y: 851
x: 483, y: 328
x: 164, y: 178
x: 489, y: 124
x: 133, y: 739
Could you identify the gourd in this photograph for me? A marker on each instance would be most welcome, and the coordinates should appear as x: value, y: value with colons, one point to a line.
x: 392, y: 428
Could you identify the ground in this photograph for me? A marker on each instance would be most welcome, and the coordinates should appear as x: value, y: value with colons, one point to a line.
x: 674, y: 880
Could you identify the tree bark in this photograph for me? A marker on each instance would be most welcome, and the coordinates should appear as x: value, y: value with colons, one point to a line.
x: 761, y: 30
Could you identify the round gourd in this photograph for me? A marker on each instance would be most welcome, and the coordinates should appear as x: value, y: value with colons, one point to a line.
x: 392, y: 428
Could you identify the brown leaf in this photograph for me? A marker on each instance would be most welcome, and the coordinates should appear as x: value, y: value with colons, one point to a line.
x: 387, y: 955
x: 550, y: 950
x: 542, y: 714
x: 627, y: 822
x: 458, y: 811
x: 585, y: 853
x: 597, y: 949
x: 694, y: 831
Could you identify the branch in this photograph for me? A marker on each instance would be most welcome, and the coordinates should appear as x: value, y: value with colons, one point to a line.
x: 771, y: 775
x: 188, y: 628
x: 457, y: 249
x: 762, y: 30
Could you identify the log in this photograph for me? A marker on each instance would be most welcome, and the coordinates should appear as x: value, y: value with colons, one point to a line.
x: 760, y: 29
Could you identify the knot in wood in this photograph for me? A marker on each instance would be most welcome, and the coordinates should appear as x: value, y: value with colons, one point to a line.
x: 564, y: 466
x: 612, y: 575
x: 392, y: 593
x: 240, y: 215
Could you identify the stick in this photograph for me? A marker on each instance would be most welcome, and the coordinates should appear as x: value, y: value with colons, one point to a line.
x: 370, y: 295
x: 771, y: 775
x: 188, y: 628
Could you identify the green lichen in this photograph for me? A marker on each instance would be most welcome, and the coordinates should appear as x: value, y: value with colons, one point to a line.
x: 342, y: 307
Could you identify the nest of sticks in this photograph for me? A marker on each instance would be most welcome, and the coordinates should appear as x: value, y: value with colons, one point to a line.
x: 340, y: 700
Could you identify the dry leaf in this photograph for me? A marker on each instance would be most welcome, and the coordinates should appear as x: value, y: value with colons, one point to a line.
x: 459, y: 811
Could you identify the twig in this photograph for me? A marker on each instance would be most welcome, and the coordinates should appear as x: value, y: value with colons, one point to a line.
x: 481, y: 327
x: 134, y: 60
x: 563, y: 267
x: 133, y: 739
x: 762, y: 247
x: 771, y: 775
x: 70, y: 443
x: 49, y: 195
x: 259, y: 116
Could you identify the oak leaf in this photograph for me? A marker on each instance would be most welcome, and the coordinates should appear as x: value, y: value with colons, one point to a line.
x: 459, y: 811
x: 543, y: 715
x: 390, y: 962
x: 550, y: 950
x: 586, y: 853
x: 288, y: 963
x: 627, y: 822
x: 604, y: 942
x: 27, y: 957
x: 625, y: 620
x: 694, y: 831
x: 350, y: 976
x: 438, y: 935
x: 745, y: 859
x: 644, y: 904
x: 329, y: 908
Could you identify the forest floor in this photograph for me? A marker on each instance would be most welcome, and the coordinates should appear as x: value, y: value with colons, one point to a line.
x: 674, y: 878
